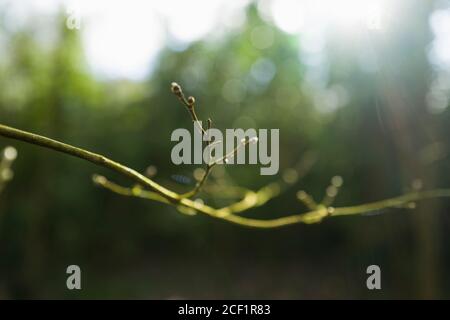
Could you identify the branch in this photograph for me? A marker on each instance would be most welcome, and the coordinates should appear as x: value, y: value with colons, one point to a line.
x: 251, y: 199
x: 135, y: 191
x: 189, y: 103
x: 86, y: 155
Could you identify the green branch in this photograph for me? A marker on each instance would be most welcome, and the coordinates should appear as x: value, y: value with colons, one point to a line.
x: 250, y: 199
x: 86, y: 155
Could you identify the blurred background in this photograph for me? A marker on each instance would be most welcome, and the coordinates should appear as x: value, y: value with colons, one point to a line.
x: 360, y: 87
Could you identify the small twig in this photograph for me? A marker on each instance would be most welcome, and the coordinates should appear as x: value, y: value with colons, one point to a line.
x: 190, y: 106
x: 135, y: 191
x: 332, y: 191
x: 198, y: 185
x: 189, y: 103
x: 208, y: 170
x: 86, y: 155
x: 307, y: 200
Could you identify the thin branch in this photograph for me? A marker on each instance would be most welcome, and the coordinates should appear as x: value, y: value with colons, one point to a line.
x: 392, y: 202
x: 251, y: 199
x: 287, y: 179
x: 135, y: 191
x: 209, y: 168
x: 98, y: 159
x: 307, y: 200
x: 189, y: 103
x: 199, y: 184
x: 255, y: 199
x: 190, y: 106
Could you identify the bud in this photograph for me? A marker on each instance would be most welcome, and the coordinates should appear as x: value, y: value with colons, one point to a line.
x: 191, y: 101
x: 175, y: 87
x: 98, y: 179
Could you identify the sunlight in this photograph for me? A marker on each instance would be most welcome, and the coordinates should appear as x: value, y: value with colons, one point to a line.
x: 123, y: 38
x: 288, y: 15
x: 354, y: 13
x: 440, y: 50
x: 294, y: 16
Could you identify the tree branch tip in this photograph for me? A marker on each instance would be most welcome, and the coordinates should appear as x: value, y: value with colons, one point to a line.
x: 99, y: 179
x: 175, y: 88
x: 337, y: 181
x: 191, y: 101
x: 146, y: 188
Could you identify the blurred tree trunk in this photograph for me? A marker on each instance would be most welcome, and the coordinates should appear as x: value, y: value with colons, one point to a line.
x: 404, y: 95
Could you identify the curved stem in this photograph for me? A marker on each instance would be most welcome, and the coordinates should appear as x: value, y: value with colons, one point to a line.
x: 392, y: 202
x: 199, y: 184
x: 86, y: 155
x: 226, y: 213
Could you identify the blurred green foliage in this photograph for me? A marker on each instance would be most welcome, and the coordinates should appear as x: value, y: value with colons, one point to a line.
x: 380, y: 141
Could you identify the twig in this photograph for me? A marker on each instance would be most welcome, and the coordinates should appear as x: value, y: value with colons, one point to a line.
x: 159, y: 193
